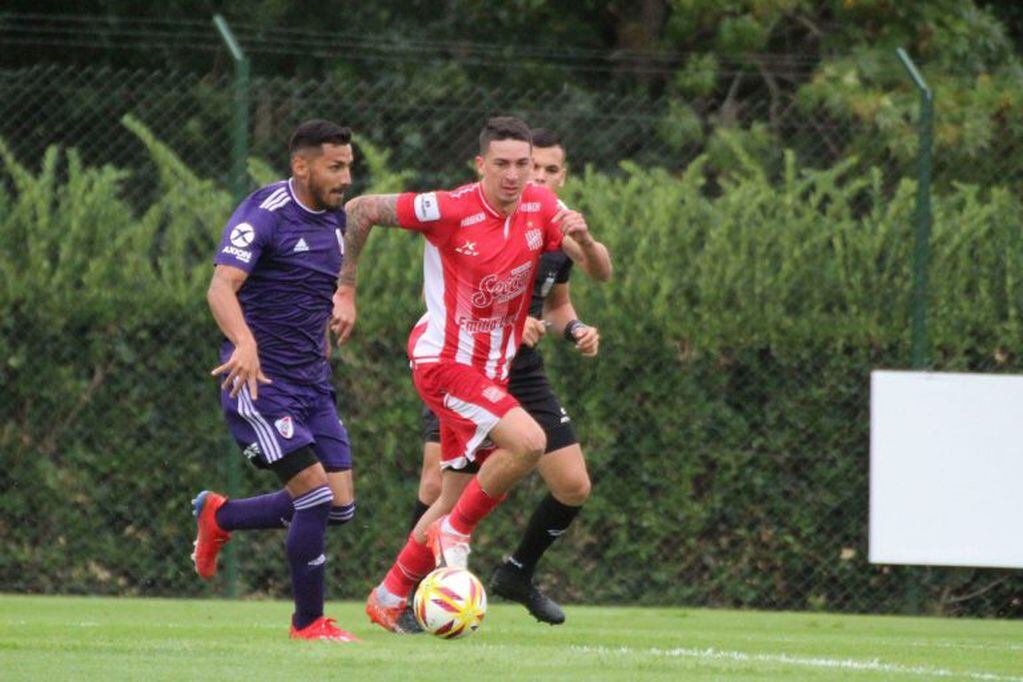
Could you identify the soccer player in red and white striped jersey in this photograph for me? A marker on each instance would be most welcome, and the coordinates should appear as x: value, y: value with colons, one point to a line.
x: 483, y: 243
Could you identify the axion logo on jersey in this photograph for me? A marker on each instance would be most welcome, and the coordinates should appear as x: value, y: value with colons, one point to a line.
x: 241, y: 254
x: 285, y: 427
x: 468, y: 249
x: 426, y: 207
x: 494, y: 394
x: 492, y: 289
x: 242, y: 235
x: 473, y: 219
x: 534, y: 238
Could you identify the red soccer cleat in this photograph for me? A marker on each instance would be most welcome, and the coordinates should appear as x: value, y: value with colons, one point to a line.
x: 323, y: 629
x: 449, y: 549
x: 386, y: 617
x: 211, y: 538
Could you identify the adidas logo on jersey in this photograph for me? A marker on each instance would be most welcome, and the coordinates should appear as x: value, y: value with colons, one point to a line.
x: 300, y: 246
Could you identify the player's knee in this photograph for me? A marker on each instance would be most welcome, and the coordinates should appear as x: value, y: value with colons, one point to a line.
x: 574, y: 492
x: 531, y: 444
x: 341, y: 514
x: 430, y: 485
x: 429, y: 491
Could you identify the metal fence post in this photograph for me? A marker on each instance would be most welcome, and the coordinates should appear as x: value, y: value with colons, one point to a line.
x: 922, y: 231
x: 919, y: 343
x: 239, y: 188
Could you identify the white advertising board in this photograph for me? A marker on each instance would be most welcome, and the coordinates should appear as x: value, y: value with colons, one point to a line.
x: 946, y: 469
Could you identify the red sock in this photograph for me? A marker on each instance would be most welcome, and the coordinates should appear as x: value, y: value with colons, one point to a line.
x: 413, y: 562
x: 473, y: 505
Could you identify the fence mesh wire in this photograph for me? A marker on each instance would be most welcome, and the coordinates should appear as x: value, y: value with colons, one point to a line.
x: 752, y: 493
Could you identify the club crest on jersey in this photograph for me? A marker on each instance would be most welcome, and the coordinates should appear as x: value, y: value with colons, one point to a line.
x: 468, y: 249
x: 534, y: 238
x: 494, y: 394
x: 242, y: 235
x: 285, y: 426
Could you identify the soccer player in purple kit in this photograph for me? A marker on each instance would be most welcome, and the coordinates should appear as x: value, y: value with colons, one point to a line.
x: 276, y: 271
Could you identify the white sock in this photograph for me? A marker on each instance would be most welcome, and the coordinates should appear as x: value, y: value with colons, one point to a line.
x: 388, y: 598
x: 446, y: 527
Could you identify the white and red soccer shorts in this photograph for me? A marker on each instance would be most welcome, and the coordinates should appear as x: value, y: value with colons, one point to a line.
x: 467, y: 404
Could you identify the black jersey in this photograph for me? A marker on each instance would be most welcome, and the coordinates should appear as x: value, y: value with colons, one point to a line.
x: 554, y: 268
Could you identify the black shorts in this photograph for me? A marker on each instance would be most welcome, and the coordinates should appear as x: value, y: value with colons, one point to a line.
x: 533, y: 391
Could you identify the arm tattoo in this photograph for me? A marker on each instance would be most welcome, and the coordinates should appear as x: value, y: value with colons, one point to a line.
x: 363, y: 213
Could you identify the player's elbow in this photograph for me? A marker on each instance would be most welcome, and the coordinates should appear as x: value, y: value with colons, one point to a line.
x: 363, y: 206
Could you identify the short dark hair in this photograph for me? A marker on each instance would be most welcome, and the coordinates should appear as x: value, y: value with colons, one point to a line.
x: 545, y: 137
x: 503, y: 128
x: 316, y: 132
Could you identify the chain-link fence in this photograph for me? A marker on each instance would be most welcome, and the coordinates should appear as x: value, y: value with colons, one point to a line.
x: 763, y: 250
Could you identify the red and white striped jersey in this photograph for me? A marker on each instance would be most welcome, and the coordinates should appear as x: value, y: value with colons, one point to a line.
x: 478, y: 271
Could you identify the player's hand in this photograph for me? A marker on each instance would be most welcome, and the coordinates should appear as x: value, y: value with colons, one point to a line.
x: 587, y: 340
x: 242, y: 369
x: 573, y: 225
x: 533, y: 331
x: 342, y: 319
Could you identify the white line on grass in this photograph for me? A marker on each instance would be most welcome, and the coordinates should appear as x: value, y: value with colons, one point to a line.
x: 872, y: 665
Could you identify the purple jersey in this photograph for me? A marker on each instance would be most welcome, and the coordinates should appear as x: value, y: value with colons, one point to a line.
x: 292, y: 255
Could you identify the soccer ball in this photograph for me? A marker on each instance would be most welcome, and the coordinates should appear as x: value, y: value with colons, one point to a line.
x: 450, y: 603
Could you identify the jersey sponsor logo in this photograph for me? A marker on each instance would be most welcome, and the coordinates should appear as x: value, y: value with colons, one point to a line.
x: 300, y: 246
x: 285, y: 426
x: 485, y: 325
x: 252, y: 452
x: 534, y: 238
x: 494, y: 289
x: 494, y: 394
x: 468, y: 249
x: 473, y: 219
x: 242, y: 235
x: 426, y: 207
x: 530, y: 207
x: 241, y: 254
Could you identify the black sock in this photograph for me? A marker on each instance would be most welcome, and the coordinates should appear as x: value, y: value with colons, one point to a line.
x: 417, y: 514
x: 548, y: 522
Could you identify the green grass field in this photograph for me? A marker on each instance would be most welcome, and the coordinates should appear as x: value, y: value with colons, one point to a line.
x: 58, y: 638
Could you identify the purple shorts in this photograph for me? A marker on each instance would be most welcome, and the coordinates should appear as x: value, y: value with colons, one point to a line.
x: 285, y: 418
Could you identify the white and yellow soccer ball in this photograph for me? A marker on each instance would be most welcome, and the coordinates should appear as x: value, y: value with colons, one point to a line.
x: 450, y: 603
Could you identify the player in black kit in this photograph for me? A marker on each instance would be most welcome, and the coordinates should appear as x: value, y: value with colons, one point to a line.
x: 562, y: 466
